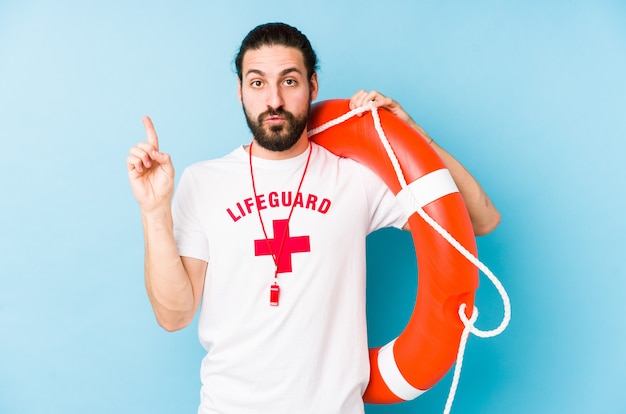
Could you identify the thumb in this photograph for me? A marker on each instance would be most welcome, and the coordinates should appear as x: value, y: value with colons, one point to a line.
x: 161, y: 157
x: 165, y: 162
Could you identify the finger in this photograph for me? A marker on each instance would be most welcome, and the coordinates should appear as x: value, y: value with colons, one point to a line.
x: 365, y: 97
x: 148, y: 148
x: 357, y: 98
x: 143, y: 156
x: 372, y: 97
x: 148, y: 154
x: 134, y: 164
x: 378, y: 99
x: 139, y: 159
x: 144, y: 153
x: 151, y: 134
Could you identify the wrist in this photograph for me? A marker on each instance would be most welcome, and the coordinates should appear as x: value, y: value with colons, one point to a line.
x: 160, y: 213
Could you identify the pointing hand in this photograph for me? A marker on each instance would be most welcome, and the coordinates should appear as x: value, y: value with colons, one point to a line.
x: 150, y: 172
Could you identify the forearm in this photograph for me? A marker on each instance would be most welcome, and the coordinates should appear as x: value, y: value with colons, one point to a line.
x: 168, y: 284
x: 483, y: 214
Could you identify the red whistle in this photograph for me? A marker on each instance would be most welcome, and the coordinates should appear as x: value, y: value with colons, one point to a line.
x: 274, y: 293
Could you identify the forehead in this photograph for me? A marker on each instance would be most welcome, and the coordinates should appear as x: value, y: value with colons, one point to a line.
x: 272, y: 59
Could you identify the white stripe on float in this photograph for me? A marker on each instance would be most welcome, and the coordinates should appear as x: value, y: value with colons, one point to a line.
x: 426, y: 189
x: 392, y: 376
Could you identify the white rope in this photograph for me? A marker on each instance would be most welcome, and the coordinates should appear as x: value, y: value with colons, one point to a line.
x: 340, y: 119
x: 446, y: 235
x: 459, y: 355
x: 468, y: 323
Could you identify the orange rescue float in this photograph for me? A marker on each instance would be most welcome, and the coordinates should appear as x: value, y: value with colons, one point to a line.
x: 424, y: 352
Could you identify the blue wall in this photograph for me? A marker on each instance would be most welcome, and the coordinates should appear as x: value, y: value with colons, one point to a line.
x: 530, y: 96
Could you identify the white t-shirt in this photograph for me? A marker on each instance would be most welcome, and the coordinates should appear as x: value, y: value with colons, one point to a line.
x: 309, y: 354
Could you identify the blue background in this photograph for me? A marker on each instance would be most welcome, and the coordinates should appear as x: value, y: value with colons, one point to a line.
x: 530, y: 96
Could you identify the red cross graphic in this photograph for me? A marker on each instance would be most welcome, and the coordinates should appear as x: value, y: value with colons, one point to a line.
x: 299, y: 244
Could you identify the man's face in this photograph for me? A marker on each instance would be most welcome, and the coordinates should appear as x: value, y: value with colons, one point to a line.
x: 276, y: 95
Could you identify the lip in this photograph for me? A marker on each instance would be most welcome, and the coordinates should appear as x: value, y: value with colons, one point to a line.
x: 274, y: 119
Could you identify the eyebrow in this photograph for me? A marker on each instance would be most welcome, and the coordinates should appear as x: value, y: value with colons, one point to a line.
x: 282, y: 73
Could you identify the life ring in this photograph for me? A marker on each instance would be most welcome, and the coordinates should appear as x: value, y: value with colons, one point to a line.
x: 426, y: 349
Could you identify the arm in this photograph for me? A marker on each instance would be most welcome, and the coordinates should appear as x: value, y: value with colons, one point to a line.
x: 483, y: 214
x: 174, y: 284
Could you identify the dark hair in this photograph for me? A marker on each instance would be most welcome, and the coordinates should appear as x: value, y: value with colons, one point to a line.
x: 282, y: 34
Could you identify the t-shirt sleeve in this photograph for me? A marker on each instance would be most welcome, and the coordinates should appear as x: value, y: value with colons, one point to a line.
x: 190, y: 237
x: 385, y: 211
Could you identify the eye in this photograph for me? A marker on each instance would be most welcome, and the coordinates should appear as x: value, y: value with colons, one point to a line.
x: 291, y: 82
x: 256, y: 83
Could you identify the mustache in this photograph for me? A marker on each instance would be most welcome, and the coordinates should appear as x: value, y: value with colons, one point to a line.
x: 275, y: 112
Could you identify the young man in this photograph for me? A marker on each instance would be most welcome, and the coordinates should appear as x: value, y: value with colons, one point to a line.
x: 271, y: 240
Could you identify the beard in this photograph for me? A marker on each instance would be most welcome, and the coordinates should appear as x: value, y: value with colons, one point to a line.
x: 277, y: 137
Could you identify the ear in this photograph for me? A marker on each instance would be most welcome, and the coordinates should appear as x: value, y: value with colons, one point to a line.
x: 314, y: 86
x: 239, y: 92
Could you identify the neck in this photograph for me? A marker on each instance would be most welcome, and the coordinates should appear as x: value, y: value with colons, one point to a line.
x: 298, y: 148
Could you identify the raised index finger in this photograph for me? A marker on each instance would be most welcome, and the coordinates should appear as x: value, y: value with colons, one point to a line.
x: 150, y: 132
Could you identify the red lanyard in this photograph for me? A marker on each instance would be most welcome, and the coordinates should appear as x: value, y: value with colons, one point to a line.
x: 275, y: 289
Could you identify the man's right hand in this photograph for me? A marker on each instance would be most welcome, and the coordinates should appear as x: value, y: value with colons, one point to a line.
x: 150, y: 172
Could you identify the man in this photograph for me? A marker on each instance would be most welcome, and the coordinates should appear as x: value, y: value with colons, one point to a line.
x: 271, y: 240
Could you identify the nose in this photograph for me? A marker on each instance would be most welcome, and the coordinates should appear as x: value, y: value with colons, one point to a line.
x: 275, y: 98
